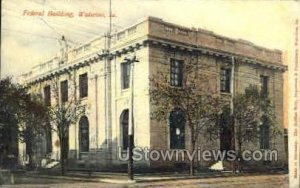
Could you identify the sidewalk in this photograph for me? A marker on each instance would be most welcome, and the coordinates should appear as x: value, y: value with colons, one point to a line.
x: 121, y: 178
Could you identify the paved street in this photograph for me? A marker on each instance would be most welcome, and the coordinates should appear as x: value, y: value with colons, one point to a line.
x: 250, y: 181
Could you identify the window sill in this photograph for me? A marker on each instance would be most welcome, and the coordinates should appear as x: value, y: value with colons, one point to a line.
x: 269, y: 149
x: 225, y: 93
x: 178, y: 149
x: 125, y: 91
x: 83, y: 98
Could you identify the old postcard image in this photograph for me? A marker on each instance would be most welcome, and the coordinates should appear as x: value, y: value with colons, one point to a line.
x: 150, y: 93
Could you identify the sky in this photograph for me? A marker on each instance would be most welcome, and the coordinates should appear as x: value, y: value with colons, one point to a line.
x: 27, y: 40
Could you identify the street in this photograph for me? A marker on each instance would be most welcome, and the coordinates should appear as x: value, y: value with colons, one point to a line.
x: 249, y: 181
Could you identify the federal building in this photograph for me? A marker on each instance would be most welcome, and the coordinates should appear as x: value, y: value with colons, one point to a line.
x: 98, y: 75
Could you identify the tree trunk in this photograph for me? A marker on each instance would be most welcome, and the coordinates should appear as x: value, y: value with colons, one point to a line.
x: 30, y: 162
x: 193, y: 143
x: 62, y: 163
x: 240, y: 157
x: 63, y: 154
x: 29, y: 152
x: 64, y: 149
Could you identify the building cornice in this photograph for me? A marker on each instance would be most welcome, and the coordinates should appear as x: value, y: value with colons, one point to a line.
x: 144, y: 41
x: 214, y: 52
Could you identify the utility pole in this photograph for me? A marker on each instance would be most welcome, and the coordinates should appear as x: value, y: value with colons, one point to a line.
x: 232, y: 90
x: 0, y: 45
x: 108, y: 86
x: 131, y: 119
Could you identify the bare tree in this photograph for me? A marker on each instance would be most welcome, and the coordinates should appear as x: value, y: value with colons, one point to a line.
x: 251, y: 111
x: 198, y: 98
x: 62, y: 115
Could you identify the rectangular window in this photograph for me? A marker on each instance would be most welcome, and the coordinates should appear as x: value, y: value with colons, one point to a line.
x: 225, y: 79
x: 83, y: 85
x: 64, y: 91
x: 48, y: 138
x: 264, y: 137
x: 264, y: 85
x: 125, y: 75
x: 176, y: 72
x: 47, y: 96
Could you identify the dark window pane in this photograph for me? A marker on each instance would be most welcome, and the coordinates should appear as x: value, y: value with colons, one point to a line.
x: 83, y: 85
x: 48, y: 138
x: 125, y: 75
x: 225, y: 80
x: 177, y: 129
x: 64, y: 91
x: 264, y: 85
x: 176, y: 75
x: 47, y: 96
x: 124, y: 124
x: 265, y: 134
x: 84, y: 134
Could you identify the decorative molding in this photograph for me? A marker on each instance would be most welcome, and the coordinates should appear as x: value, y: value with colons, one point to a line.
x: 96, y: 58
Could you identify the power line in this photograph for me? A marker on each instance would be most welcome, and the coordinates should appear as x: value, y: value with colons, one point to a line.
x: 27, y: 33
x: 75, y: 31
x: 68, y: 28
x: 50, y: 26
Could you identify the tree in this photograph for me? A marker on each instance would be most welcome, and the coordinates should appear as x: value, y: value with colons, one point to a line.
x: 198, y: 98
x: 251, y: 110
x: 61, y: 116
x: 9, y: 104
x: 32, y: 117
x: 21, y: 115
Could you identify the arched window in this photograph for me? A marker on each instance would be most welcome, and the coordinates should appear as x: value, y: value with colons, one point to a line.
x: 84, y: 134
x: 124, y: 128
x: 265, y: 134
x: 177, y: 129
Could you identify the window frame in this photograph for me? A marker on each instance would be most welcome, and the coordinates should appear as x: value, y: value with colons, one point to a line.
x: 177, y: 141
x: 125, y: 75
x: 225, y: 80
x: 264, y: 83
x: 176, y: 72
x: 264, y: 134
x: 47, y: 95
x: 64, y: 91
x: 84, y: 125
x: 83, y: 85
x: 124, y: 123
x: 264, y: 137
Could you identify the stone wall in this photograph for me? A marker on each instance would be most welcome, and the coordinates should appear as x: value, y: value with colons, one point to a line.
x: 245, y: 75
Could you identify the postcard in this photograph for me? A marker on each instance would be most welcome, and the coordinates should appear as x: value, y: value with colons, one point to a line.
x: 150, y: 93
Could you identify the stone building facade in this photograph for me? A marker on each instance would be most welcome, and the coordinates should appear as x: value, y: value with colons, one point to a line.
x: 97, y: 74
